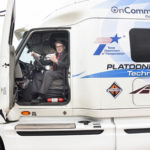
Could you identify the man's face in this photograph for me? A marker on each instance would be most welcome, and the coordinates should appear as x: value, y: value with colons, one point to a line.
x: 59, y: 47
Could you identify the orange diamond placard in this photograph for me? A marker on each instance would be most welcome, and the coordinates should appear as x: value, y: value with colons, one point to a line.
x: 114, y: 90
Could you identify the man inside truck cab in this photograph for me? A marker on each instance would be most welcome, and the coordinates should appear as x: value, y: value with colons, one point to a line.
x: 58, y: 64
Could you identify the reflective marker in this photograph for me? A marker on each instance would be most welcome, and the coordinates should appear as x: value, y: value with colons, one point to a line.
x: 25, y: 113
x: 54, y: 100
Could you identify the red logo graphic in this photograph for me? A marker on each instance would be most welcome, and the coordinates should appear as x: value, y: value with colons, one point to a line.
x: 114, y: 90
x: 143, y: 90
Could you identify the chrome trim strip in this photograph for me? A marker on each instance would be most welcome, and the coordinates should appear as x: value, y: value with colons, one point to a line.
x: 41, y: 127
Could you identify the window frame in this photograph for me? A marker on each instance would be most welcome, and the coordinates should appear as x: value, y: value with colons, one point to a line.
x: 22, y: 45
x: 133, y: 57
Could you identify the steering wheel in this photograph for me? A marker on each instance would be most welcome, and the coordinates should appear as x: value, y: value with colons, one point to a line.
x: 39, y: 64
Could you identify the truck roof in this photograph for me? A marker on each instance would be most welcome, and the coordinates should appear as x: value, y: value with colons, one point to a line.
x: 79, y: 11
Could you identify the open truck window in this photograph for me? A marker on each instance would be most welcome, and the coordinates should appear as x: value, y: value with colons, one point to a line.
x: 140, y: 45
x: 30, y: 71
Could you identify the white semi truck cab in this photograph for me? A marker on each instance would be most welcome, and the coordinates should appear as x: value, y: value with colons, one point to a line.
x: 103, y: 99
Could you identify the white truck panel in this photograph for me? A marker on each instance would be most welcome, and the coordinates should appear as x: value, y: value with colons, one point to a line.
x: 73, y: 142
x: 132, y: 133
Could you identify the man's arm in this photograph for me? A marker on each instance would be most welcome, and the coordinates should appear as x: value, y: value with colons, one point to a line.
x: 43, y: 62
x: 64, y: 62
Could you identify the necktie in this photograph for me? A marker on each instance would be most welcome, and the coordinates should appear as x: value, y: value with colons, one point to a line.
x: 58, y: 56
x: 57, y: 59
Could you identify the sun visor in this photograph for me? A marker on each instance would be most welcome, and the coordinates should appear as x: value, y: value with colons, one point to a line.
x: 40, y: 43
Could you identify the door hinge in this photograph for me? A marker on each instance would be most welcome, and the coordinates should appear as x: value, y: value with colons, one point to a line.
x: 5, y: 65
x: 2, y: 114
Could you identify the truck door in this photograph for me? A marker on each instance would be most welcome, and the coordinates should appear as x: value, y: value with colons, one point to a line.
x: 7, y: 60
x: 132, y: 133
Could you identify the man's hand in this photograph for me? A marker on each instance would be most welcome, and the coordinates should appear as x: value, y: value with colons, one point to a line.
x: 53, y: 58
x: 35, y: 55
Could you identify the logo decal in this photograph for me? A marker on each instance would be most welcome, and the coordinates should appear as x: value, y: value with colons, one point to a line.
x: 111, y: 50
x: 143, y: 90
x: 114, y: 90
x: 129, y: 10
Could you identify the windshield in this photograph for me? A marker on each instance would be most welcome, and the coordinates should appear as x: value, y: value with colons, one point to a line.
x: 26, y: 56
